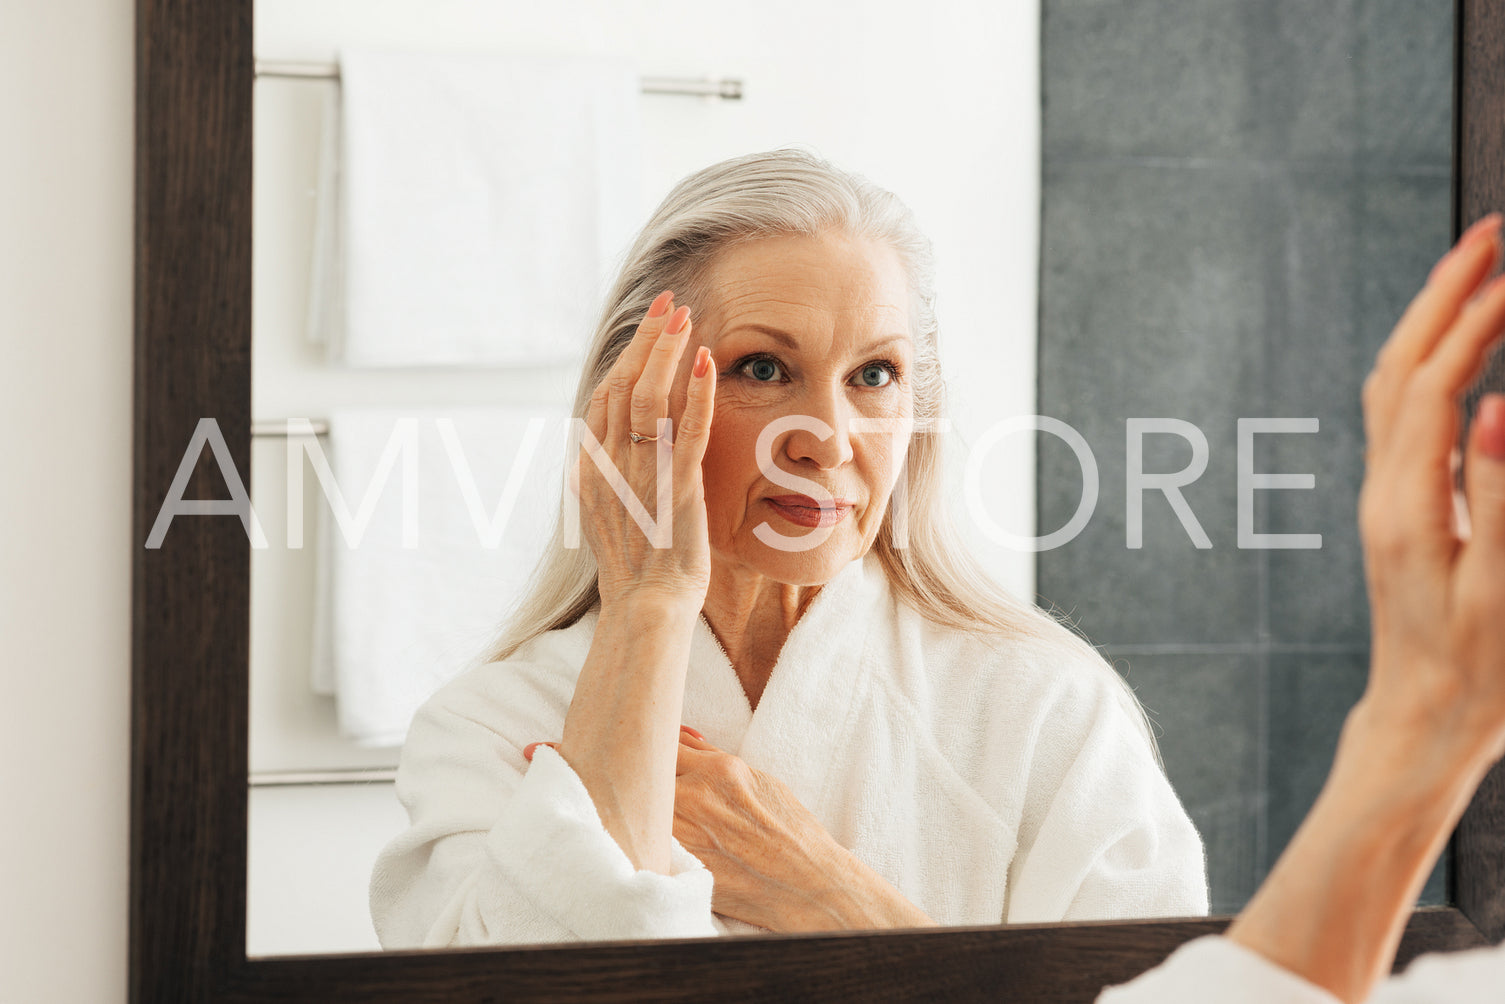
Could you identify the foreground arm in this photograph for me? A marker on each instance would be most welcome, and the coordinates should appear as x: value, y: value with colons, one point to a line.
x: 1432, y: 720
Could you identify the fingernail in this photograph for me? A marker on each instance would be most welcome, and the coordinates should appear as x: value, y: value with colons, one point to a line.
x: 661, y: 303
x: 1481, y: 226
x: 686, y: 728
x: 528, y: 750
x: 677, y: 322
x: 702, y: 367
x: 1491, y: 421
x: 1489, y: 222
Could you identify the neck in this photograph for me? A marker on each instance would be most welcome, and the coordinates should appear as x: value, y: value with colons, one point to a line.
x: 752, y: 615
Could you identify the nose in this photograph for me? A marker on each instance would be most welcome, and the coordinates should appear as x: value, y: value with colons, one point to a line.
x: 826, y: 443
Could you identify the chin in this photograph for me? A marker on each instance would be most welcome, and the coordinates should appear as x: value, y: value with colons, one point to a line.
x: 815, y: 567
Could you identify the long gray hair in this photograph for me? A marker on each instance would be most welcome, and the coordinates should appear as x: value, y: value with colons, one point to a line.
x: 779, y: 193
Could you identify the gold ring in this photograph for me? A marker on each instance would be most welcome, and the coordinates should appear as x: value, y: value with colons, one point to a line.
x: 636, y: 438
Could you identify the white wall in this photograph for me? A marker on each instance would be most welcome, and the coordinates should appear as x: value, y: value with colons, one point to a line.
x: 66, y: 113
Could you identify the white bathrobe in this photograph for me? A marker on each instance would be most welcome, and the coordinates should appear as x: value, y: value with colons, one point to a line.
x: 1216, y: 969
x: 989, y: 781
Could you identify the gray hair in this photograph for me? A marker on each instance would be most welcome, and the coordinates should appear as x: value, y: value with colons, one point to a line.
x: 781, y: 193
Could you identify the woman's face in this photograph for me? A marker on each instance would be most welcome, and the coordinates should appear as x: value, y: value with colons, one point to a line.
x: 812, y: 346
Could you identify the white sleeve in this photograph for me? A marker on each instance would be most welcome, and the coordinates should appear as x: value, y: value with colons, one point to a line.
x: 1447, y: 977
x: 500, y: 851
x: 1103, y: 836
x: 1216, y: 969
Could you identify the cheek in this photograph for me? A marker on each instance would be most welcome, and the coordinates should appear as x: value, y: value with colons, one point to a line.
x: 729, y: 468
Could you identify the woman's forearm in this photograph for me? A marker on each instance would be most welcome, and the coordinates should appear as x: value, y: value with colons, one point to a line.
x: 1334, y: 907
x: 621, y: 734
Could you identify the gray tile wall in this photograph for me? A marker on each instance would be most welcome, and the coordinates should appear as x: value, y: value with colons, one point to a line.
x: 1239, y: 196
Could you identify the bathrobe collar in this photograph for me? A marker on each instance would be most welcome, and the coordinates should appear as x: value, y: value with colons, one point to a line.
x: 811, y: 691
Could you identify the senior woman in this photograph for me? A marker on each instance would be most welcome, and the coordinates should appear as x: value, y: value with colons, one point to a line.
x: 774, y: 693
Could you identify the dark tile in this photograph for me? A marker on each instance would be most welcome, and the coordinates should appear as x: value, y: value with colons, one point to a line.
x: 1208, y: 713
x: 1273, y: 80
x: 1435, y: 892
x: 1405, y: 73
x: 1358, y: 250
x: 1153, y: 305
x: 1310, y: 695
x: 1316, y: 363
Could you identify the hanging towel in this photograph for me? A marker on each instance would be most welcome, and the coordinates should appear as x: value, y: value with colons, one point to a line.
x: 473, y: 206
x: 417, y: 598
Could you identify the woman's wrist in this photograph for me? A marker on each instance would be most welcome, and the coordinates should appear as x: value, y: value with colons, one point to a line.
x: 850, y: 896
x: 645, y: 608
x: 620, y: 733
x: 1335, y: 904
x: 1415, y: 759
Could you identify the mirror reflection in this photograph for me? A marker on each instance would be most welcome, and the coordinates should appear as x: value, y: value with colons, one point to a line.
x: 881, y: 732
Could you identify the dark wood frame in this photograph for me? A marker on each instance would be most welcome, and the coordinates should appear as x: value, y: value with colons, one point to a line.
x: 190, y: 629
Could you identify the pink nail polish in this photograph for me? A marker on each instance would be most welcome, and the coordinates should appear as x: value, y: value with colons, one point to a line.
x: 528, y: 751
x: 1491, y: 422
x: 677, y: 322
x: 686, y: 728
x: 702, y: 365
x: 661, y: 303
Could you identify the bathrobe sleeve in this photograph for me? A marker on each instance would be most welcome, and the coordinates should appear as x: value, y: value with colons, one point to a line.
x: 1103, y: 835
x: 503, y: 851
x: 1214, y: 968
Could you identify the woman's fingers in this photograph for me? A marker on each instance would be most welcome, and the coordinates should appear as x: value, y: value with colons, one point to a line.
x: 636, y: 354
x: 629, y: 367
x: 649, y: 401
x: 1453, y: 281
x: 1425, y: 323
x: 694, y: 430
x: 691, y: 743
x: 1457, y: 361
x: 1415, y: 452
x: 1485, y: 487
x: 529, y: 749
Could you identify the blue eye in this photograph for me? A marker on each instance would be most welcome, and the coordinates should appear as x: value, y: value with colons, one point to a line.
x: 762, y: 369
x: 875, y: 375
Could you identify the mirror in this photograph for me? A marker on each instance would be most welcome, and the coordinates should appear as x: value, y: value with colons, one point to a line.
x: 190, y: 634
x: 1215, y: 222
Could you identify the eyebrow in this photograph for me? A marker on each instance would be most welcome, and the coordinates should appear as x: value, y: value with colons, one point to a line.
x: 791, y: 342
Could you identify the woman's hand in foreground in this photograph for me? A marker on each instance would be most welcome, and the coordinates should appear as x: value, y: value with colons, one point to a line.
x: 1432, y: 719
x: 774, y: 864
x: 673, y: 562
x: 1437, y: 586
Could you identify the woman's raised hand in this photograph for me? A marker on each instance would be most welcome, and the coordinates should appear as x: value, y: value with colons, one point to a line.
x: 623, y: 499
x: 1437, y: 582
x: 1432, y: 719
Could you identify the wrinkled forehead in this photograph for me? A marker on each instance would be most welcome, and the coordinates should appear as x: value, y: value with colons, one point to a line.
x: 824, y: 287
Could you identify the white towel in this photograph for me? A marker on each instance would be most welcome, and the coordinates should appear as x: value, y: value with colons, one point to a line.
x: 395, y: 622
x: 473, y: 207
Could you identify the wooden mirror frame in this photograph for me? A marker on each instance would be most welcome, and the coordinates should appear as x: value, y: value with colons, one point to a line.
x: 190, y: 636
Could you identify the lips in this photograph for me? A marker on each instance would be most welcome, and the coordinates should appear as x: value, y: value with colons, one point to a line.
x: 802, y: 510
